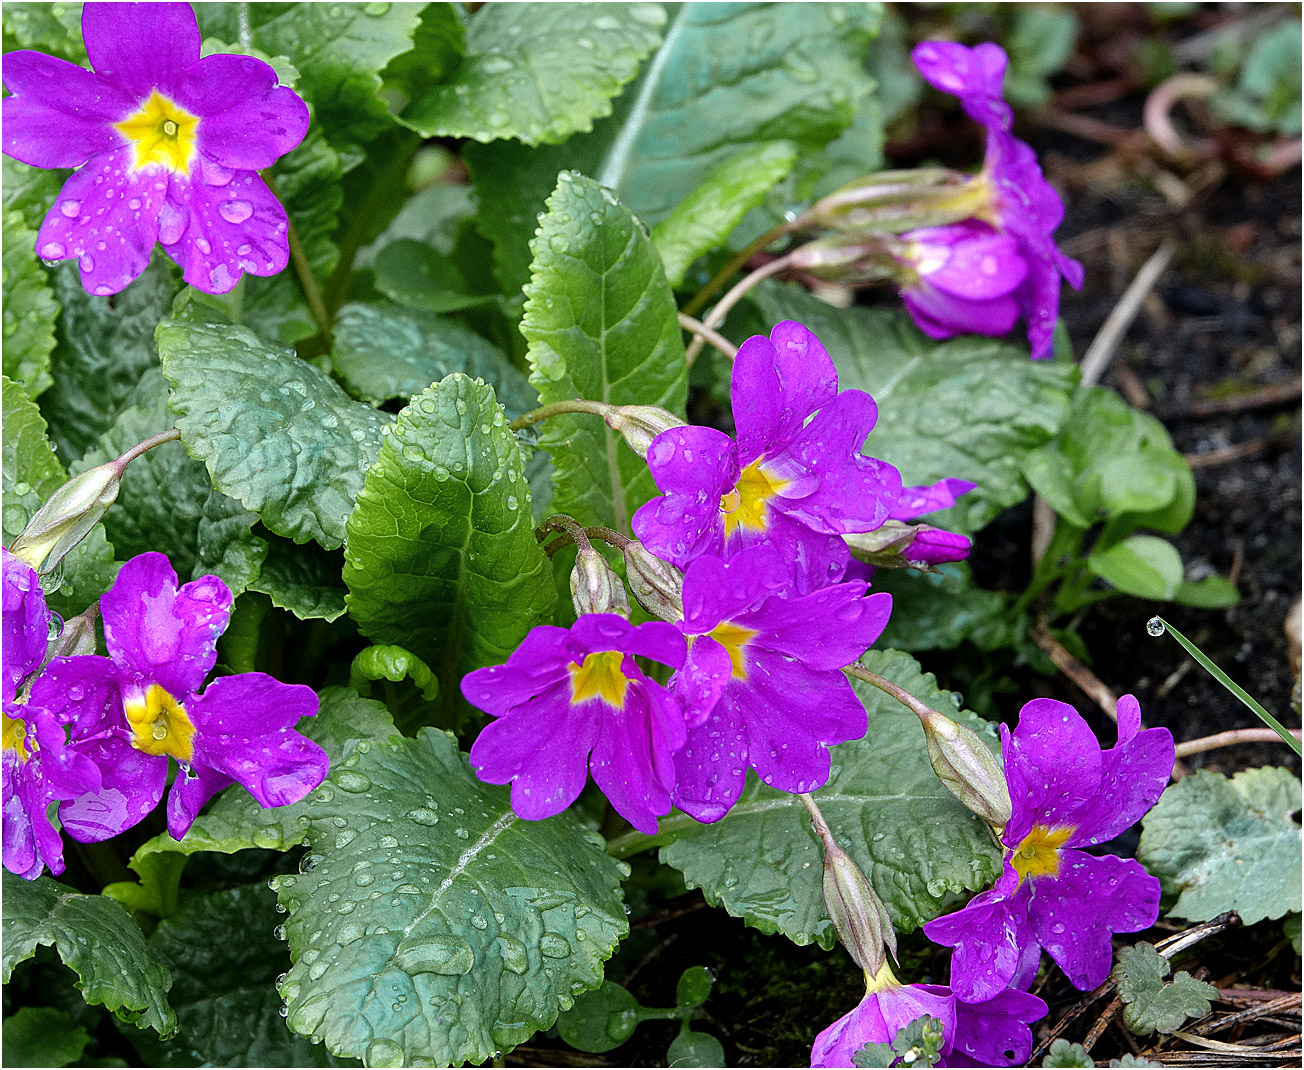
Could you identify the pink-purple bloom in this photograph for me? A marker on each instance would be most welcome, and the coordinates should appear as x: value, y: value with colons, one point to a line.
x: 167, y: 147
x: 1020, y: 202
x: 1067, y: 794
x: 142, y: 704
x: 794, y: 479
x: 933, y: 546
x: 762, y: 686
x: 570, y: 701
x: 992, y: 1033
x: 38, y: 764
x: 961, y: 279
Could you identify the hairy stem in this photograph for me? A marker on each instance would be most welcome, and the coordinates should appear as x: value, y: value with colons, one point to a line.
x: 887, y: 686
x: 559, y: 408
x: 701, y: 330
x: 718, y: 313
x: 738, y: 262
x: 307, y: 280
x: 171, y: 435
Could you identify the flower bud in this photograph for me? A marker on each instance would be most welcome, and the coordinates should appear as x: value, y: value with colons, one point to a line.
x: 898, y: 201
x: 77, y: 637
x: 846, y: 258
x: 67, y: 518
x: 595, y: 588
x: 857, y: 913
x: 899, y: 545
x: 657, y: 585
x: 640, y: 424
x: 968, y: 769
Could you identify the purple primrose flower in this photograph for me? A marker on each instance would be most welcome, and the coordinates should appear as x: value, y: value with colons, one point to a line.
x: 795, y: 478
x: 167, y: 147
x: 762, y: 685
x: 571, y: 701
x: 38, y: 764
x: 1067, y: 793
x: 962, y: 279
x: 142, y: 704
x: 992, y: 1033
x: 1020, y: 202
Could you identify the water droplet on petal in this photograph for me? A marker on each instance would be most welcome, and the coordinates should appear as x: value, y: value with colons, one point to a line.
x: 70, y: 209
x: 235, y: 211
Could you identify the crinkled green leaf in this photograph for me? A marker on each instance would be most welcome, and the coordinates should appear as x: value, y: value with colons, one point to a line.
x: 235, y: 821
x: 275, y: 431
x: 725, y: 77
x: 441, y: 557
x: 939, y: 610
x: 418, y: 275
x: 970, y: 408
x: 413, y: 701
x: 382, y: 353
x: 31, y: 474
x: 1142, y: 565
x: 30, y: 309
x: 434, y: 924
x: 601, y: 323
x: 306, y: 579
x: 538, y: 72
x: 42, y: 1036
x: 224, y: 961
x: 30, y: 191
x: 97, y: 939
x: 166, y: 501
x: 707, y: 216
x: 1221, y: 844
x: 338, y: 49
x: 1148, y: 1003
x: 874, y: 1055
x: 915, y: 843
x: 437, y: 48
x: 105, y: 344
x: 52, y: 28
x: 1065, y: 1054
x: 1109, y: 459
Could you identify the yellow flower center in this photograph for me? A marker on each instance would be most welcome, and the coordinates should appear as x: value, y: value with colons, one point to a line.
x: 601, y: 677
x: 162, y: 132
x: 734, y: 638
x: 159, y: 724
x: 15, y: 737
x: 1039, y: 853
x: 744, y: 506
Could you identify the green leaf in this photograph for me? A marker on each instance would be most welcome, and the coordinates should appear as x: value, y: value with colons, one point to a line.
x: 971, y: 408
x: 104, y: 346
x: 441, y: 556
x: 275, y: 431
x: 42, y: 1036
x: 468, y: 928
x: 306, y: 580
x: 1133, y: 1060
x: 1110, y: 460
x: 52, y: 28
x: 1148, y: 1003
x: 601, y: 1020
x: 156, y: 893
x: 939, y: 610
x: 694, y: 986
x: 437, y: 48
x: 338, y: 49
x: 30, y: 309
x: 538, y: 72
x: 167, y: 502
x: 691, y: 1048
x: 920, y: 1042
x: 382, y: 353
x: 31, y: 474
x: 601, y: 323
x: 1212, y: 592
x: 913, y: 841
x: 725, y: 78
x: 418, y: 275
x: 874, y: 1055
x: 708, y: 215
x: 1291, y: 928
x: 1064, y: 1054
x: 235, y: 821
x: 1267, y: 93
x: 97, y: 939
x: 1041, y: 42
x: 411, y: 704
x: 1224, y: 844
x: 1142, y: 565
x: 224, y: 962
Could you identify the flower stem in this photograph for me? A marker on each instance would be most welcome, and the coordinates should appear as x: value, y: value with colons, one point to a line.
x: 1230, y: 684
x: 1226, y: 739
x: 171, y: 435
x: 817, y: 819
x: 718, y: 313
x: 714, y: 337
x: 559, y: 408
x: 738, y: 262
x: 311, y: 291
x: 567, y: 525
x: 899, y: 693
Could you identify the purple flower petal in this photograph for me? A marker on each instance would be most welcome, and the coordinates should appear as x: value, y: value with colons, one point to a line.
x: 631, y: 757
x: 941, y: 315
x: 824, y: 630
x: 141, y: 46
x: 975, y: 75
x: 190, y: 790
x: 879, y: 1017
x: 247, y: 121
x: 712, y: 767
x: 996, y: 1032
x: 1075, y: 914
x: 1052, y: 766
x: 704, y: 676
x: 219, y: 223
x: 916, y: 501
x: 692, y: 467
x: 60, y: 114
x: 132, y: 785
x: 251, y: 704
x: 716, y: 589
x: 990, y: 935
x: 933, y: 546
x: 158, y: 633
x: 534, y: 666
x: 26, y: 623
x: 777, y: 382
x: 106, y: 218
x: 82, y: 691
x: 544, y: 780
x: 815, y: 559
